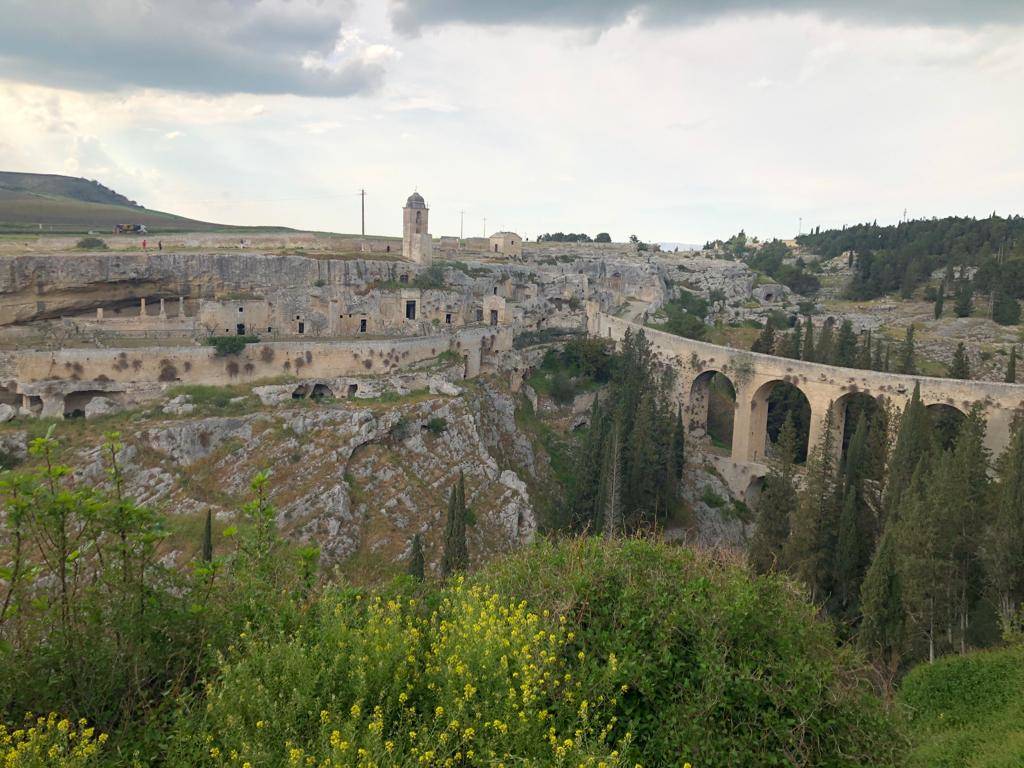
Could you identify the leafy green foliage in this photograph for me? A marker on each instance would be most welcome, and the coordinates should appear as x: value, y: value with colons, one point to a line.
x: 230, y: 345
x: 684, y: 316
x: 720, y: 668
x: 430, y: 278
x: 95, y: 624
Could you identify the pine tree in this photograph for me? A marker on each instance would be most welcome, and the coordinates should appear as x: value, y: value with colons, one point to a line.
x: 964, y: 300
x: 883, y: 629
x: 906, y: 361
x: 1011, y: 367
x: 456, y: 551
x: 416, y: 566
x: 776, y: 504
x: 960, y: 368
x: 765, y: 342
x: 1002, y: 546
x: 940, y: 299
x: 208, y: 538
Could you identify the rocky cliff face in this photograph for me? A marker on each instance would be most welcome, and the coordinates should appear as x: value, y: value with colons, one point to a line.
x: 44, y: 286
x: 358, y: 482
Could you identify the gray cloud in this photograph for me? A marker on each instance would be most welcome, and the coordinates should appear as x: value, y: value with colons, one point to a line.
x: 411, y: 15
x: 201, y: 46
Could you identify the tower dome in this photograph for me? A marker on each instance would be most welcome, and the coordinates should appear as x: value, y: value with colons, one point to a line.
x: 415, y: 201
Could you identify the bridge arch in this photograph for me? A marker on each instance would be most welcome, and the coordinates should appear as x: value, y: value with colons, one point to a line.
x: 770, y: 405
x: 846, y: 411
x: 946, y: 420
x: 711, y: 412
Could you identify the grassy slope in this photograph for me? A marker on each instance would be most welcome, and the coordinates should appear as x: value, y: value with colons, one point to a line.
x: 66, y: 204
x: 967, y: 711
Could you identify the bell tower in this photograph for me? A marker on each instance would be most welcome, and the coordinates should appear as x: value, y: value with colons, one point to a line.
x: 417, y: 244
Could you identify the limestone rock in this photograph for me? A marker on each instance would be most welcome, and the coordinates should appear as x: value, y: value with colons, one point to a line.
x: 7, y: 412
x: 100, y: 406
x: 179, y: 406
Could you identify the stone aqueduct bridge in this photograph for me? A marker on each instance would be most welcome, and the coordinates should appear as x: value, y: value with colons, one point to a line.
x: 754, y: 376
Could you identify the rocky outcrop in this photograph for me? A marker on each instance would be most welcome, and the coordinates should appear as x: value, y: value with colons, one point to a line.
x: 350, y: 479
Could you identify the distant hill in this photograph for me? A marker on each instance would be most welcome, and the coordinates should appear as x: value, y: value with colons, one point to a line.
x: 33, y: 202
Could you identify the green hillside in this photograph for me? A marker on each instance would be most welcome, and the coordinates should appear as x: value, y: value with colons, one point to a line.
x: 34, y: 202
x: 967, y: 710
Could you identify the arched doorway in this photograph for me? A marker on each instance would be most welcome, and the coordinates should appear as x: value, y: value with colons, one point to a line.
x: 772, y: 404
x: 712, y: 411
x: 946, y: 420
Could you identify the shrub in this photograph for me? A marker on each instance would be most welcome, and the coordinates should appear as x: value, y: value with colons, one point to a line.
x: 49, y: 741
x: 562, y: 388
x: 722, y: 668
x: 430, y: 278
x: 437, y: 425
x: 466, y: 677
x: 230, y: 345
x: 712, y: 499
x: 91, y: 244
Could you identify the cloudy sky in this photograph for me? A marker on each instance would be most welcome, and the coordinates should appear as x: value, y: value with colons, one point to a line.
x: 679, y: 120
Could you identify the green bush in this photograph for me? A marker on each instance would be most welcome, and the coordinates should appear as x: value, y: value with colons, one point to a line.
x: 721, y: 668
x: 967, y: 710
x: 91, y: 244
x: 230, y: 345
x: 437, y: 425
x: 430, y: 278
x: 562, y: 388
x: 464, y: 677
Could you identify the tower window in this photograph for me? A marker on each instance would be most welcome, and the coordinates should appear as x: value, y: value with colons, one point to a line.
x: 362, y: 325
x: 241, y: 309
x: 302, y: 327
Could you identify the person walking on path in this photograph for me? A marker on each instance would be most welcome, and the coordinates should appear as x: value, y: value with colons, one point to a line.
x: 143, y: 245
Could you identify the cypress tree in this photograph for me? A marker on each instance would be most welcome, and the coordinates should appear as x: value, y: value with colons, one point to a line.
x: 1011, y: 366
x: 913, y: 443
x: 960, y: 368
x: 923, y: 567
x: 612, y: 522
x: 886, y: 364
x: 1002, y: 546
x: 825, y: 351
x: 456, y: 551
x: 846, y: 345
x: 864, y: 351
x: 1005, y: 309
x: 679, y: 443
x: 208, y: 538
x: 641, y: 486
x: 416, y: 567
x: 776, y: 504
x: 878, y: 359
x: 964, y: 299
x: 765, y: 342
x: 906, y: 361
x: 883, y: 629
x: 797, y: 345
x: 808, y: 350
x: 855, y: 538
x: 940, y: 299
x: 809, y: 551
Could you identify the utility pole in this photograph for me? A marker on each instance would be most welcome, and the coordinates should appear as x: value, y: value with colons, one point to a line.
x: 800, y: 227
x: 462, y: 222
x: 485, y: 226
x: 362, y: 201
